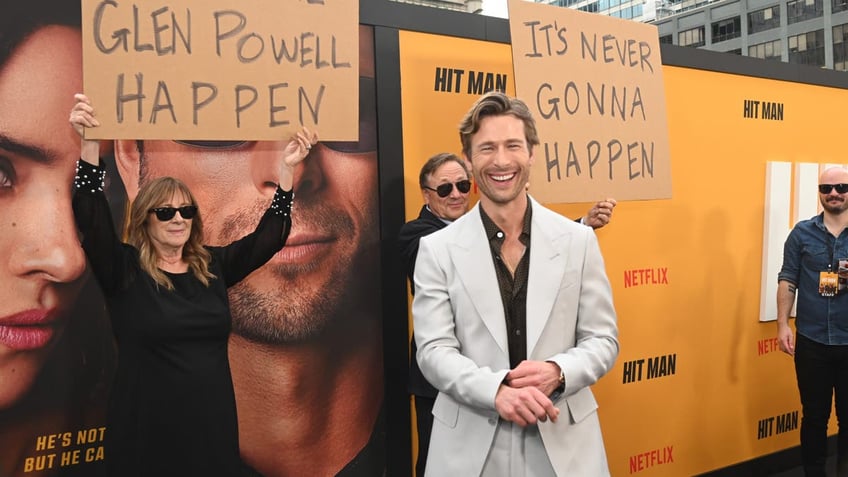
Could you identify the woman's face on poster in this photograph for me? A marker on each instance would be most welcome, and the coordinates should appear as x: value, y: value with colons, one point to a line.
x: 41, y: 261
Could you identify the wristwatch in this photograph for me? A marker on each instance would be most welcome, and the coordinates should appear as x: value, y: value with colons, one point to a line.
x: 561, y: 387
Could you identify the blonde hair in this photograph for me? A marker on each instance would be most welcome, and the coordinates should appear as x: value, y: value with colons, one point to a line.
x: 154, y: 194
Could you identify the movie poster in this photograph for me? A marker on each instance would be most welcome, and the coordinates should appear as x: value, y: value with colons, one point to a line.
x: 305, y: 351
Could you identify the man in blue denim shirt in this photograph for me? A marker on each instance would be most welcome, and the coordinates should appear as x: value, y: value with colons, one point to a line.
x: 814, y: 254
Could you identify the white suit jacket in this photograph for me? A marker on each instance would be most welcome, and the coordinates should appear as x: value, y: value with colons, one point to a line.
x: 460, y: 331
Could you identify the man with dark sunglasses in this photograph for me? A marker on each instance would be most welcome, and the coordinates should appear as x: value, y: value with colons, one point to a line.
x: 445, y: 186
x: 306, y: 349
x: 815, y: 266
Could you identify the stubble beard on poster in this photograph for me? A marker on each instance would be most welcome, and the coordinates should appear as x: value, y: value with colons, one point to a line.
x: 292, y: 313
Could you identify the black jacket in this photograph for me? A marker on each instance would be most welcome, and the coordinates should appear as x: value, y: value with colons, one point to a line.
x: 408, y: 239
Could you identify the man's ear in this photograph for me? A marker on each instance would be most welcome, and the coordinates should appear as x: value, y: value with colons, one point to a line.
x: 469, y: 168
x: 128, y: 161
x: 425, y: 197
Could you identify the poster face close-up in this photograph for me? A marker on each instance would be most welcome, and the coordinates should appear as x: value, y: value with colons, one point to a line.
x: 309, y: 312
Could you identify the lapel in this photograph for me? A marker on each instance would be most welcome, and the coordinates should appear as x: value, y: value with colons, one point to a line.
x: 471, y: 254
x: 548, y: 260
x: 427, y: 216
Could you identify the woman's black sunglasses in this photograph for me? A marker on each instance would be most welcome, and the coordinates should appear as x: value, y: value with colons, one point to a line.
x: 165, y: 214
x: 445, y: 189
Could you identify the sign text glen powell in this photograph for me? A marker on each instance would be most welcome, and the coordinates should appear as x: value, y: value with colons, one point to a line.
x: 193, y: 70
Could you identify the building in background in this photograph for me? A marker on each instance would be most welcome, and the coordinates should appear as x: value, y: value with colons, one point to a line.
x: 807, y: 32
x: 470, y: 6
x: 637, y: 10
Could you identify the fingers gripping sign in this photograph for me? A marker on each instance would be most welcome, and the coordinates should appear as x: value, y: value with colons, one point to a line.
x: 299, y: 146
x: 600, y: 214
x: 296, y: 150
x: 81, y: 118
x: 82, y: 115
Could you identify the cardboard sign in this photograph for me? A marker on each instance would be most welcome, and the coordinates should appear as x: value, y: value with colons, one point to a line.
x: 215, y: 69
x: 594, y: 85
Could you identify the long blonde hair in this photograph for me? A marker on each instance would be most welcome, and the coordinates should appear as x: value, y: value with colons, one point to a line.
x: 154, y: 194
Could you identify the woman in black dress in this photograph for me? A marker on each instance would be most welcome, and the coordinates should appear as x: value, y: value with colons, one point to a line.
x: 172, y: 409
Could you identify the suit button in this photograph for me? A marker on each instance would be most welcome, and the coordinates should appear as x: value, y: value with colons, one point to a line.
x: 493, y: 421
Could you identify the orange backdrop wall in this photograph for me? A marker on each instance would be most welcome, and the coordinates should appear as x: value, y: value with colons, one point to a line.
x: 699, y: 384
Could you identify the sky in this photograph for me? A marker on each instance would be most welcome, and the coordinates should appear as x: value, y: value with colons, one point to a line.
x: 495, y: 8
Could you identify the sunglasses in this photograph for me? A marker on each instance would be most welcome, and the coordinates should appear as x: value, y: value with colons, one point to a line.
x: 826, y: 188
x: 445, y: 189
x: 165, y: 214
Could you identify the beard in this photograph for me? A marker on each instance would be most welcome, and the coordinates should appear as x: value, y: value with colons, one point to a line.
x: 299, y: 302
x: 836, y: 207
x: 294, y: 315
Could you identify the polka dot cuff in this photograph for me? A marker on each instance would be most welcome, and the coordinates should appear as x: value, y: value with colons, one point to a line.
x: 281, y: 204
x: 89, y: 178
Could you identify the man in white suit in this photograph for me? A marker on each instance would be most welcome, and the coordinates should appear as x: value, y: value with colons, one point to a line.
x: 513, y: 319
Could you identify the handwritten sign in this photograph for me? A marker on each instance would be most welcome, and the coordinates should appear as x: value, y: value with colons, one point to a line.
x: 594, y: 84
x: 217, y: 69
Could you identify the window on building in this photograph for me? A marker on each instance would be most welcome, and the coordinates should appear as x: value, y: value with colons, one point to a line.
x: 839, y: 5
x: 591, y: 8
x: 667, y: 39
x: 764, y: 19
x: 564, y: 3
x: 807, y: 48
x: 727, y: 29
x: 735, y: 51
x: 770, y: 50
x: 800, y: 10
x: 693, y: 37
x: 840, y: 47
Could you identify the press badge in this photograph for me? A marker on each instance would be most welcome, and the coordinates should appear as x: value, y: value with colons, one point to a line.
x: 828, y: 283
